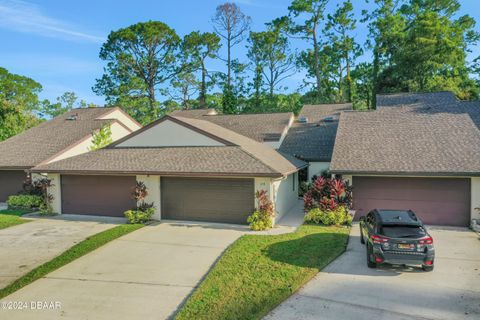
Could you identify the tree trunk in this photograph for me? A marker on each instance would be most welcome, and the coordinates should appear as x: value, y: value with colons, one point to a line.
x: 203, y: 87
x: 376, y: 67
x: 229, y: 66
x: 316, y: 53
x: 349, y: 79
x: 152, y: 101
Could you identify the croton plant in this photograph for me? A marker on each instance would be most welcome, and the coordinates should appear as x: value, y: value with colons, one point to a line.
x: 328, y: 194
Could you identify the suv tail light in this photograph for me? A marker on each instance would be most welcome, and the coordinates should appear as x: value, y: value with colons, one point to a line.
x: 378, y: 239
x: 426, y: 240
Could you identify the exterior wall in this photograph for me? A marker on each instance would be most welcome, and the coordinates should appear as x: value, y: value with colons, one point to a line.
x: 475, y: 214
x: 277, y: 144
x: 56, y: 191
x: 118, y: 132
x: 286, y: 195
x: 123, y: 118
x: 153, y: 188
x: 264, y: 184
x: 169, y: 134
x: 316, y: 168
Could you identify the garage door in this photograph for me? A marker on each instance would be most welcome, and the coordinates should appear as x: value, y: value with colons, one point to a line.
x: 435, y: 201
x: 11, y: 182
x: 215, y: 200
x: 97, y: 195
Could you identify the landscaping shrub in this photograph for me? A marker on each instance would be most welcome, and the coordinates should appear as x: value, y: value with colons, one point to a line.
x: 328, y: 194
x: 262, y: 217
x: 139, y: 216
x: 143, y: 211
x: 25, y: 201
x: 39, y: 188
x: 338, y: 216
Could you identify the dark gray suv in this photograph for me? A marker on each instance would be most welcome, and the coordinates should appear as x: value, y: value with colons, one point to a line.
x: 396, y: 237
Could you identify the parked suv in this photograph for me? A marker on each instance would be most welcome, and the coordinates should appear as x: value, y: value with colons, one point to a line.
x: 396, y: 237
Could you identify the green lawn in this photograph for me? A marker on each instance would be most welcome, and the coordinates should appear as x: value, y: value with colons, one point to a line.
x: 75, y: 252
x: 258, y: 272
x: 10, y: 220
x: 15, y: 212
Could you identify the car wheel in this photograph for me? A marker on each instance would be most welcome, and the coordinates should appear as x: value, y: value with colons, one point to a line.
x: 362, y: 240
x: 427, y: 268
x: 370, y: 263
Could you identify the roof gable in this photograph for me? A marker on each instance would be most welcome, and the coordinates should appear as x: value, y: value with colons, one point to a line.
x: 169, y: 132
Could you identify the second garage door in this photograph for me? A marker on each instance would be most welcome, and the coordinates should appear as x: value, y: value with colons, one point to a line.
x: 436, y: 201
x: 97, y: 195
x: 214, y: 200
x: 11, y: 182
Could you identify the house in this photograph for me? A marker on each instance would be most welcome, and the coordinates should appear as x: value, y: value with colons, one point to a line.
x: 194, y: 169
x: 312, y: 137
x: 416, y: 151
x: 64, y: 136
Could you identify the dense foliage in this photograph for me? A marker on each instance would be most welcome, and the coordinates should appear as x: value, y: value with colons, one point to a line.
x: 412, y: 45
x: 262, y: 217
x: 328, y: 194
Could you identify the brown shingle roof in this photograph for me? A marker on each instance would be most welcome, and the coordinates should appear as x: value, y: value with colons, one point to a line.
x: 260, y: 127
x: 314, y: 141
x: 44, y: 141
x: 411, y: 98
x: 407, y: 143
x: 243, y: 156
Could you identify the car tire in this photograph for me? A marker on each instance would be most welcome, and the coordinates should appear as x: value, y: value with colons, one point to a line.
x: 370, y: 263
x: 362, y: 240
x: 427, y: 268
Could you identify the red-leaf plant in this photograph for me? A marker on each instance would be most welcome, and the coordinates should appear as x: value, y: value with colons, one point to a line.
x: 264, y: 204
x: 139, y: 194
x: 328, y: 194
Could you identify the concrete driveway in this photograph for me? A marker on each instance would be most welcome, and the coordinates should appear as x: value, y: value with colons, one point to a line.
x: 26, y: 246
x: 144, y: 275
x: 347, y: 289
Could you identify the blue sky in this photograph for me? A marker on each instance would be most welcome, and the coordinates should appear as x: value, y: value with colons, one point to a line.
x: 57, y: 42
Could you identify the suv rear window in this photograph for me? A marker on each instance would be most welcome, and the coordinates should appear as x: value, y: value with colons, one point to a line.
x: 402, y: 231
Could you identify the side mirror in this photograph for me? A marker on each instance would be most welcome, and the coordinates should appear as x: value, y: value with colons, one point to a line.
x: 362, y: 218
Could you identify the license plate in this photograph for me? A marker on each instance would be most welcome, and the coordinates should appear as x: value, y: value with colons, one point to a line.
x: 405, y: 246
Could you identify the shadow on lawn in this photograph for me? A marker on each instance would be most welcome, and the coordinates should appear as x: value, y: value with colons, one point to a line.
x: 310, y: 251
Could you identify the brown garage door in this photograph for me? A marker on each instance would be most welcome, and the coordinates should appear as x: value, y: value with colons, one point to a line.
x: 436, y: 201
x: 11, y: 182
x: 97, y: 195
x: 216, y: 200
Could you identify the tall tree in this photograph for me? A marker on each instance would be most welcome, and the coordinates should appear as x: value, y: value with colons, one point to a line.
x: 201, y: 47
x: 255, y: 55
x: 66, y: 102
x: 271, y: 53
x: 339, y: 29
x: 140, y: 58
x: 386, y: 32
x: 311, y: 13
x: 18, y: 103
x: 230, y: 23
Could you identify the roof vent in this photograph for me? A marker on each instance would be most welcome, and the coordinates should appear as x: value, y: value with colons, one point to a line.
x: 72, y: 117
x: 211, y: 112
x: 303, y: 119
x: 329, y: 119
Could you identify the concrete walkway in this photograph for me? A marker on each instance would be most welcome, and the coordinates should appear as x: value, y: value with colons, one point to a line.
x: 347, y: 289
x: 26, y: 246
x: 144, y: 275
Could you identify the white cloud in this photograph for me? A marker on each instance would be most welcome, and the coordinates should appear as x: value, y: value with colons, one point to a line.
x: 27, y: 17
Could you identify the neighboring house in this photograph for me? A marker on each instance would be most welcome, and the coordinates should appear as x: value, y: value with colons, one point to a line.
x: 194, y: 170
x: 268, y: 128
x: 65, y: 136
x: 417, y: 151
x: 312, y: 136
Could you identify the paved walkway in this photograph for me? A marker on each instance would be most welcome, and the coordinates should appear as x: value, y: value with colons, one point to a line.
x: 347, y: 289
x: 26, y: 246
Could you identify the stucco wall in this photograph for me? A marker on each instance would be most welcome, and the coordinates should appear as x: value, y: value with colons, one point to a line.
x: 118, y: 132
x: 55, y: 191
x: 169, y: 134
x: 286, y: 195
x: 153, y: 188
x: 475, y: 214
x: 316, y: 168
x: 122, y: 117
